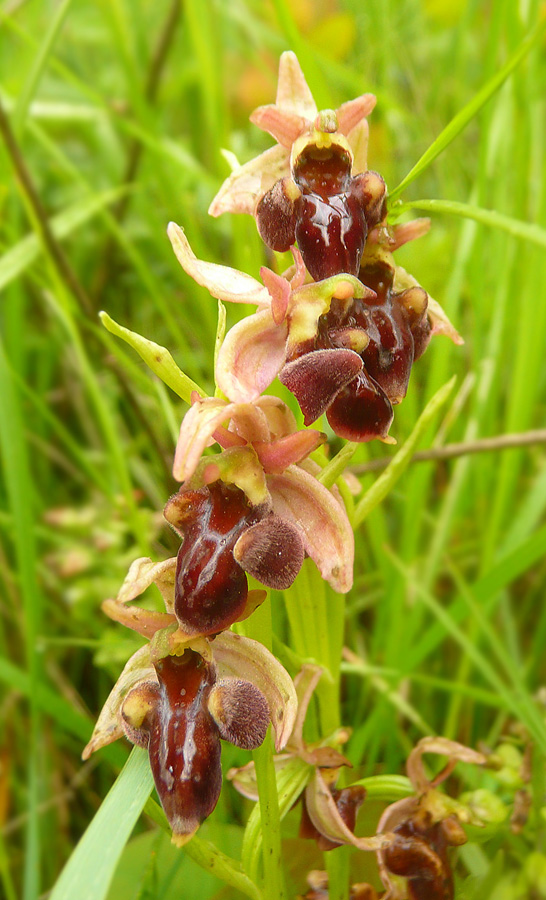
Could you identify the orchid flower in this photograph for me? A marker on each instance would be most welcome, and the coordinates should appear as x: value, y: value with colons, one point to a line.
x: 293, y: 115
x: 179, y: 695
x: 329, y: 814
x: 424, y: 826
x: 288, y: 512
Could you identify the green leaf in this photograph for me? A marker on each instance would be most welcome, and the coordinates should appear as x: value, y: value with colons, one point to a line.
x: 157, y: 358
x: 89, y: 871
x: 461, y: 120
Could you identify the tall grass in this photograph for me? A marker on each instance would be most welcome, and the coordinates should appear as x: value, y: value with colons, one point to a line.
x: 119, y: 112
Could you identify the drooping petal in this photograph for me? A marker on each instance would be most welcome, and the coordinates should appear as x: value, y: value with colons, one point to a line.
x: 196, y: 430
x: 327, y: 819
x: 222, y: 282
x: 108, y: 727
x: 242, y: 189
x: 271, y: 551
x: 327, y: 535
x: 144, y: 621
x: 251, y: 356
x: 293, y: 92
x: 142, y: 573
x: 276, y: 456
x: 240, y: 711
x: 240, y: 657
x: 350, y: 114
x: 454, y: 751
x: 316, y: 378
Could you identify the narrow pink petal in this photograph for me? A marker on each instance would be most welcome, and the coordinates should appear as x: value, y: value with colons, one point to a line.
x: 327, y: 535
x: 299, y: 275
x: 222, y: 282
x: 276, y: 456
x: 350, y: 114
x: 197, y: 427
x: 227, y: 438
x: 293, y: 91
x: 144, y: 621
x: 242, y: 189
x: 283, y: 125
x: 409, y: 231
x: 279, y: 289
x: 251, y: 356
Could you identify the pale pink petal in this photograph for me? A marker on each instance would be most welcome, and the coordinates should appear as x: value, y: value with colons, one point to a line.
x: 280, y: 290
x: 350, y: 114
x: 280, y: 418
x: 292, y: 89
x: 108, y: 727
x: 408, y: 231
x: 325, y: 816
x: 222, y: 282
x: 249, y: 423
x: 358, y: 141
x: 144, y: 621
x: 196, y: 430
x: 327, y: 535
x: 242, y: 189
x: 276, y: 456
x: 251, y: 356
x: 283, y: 125
x: 240, y: 657
x: 142, y: 573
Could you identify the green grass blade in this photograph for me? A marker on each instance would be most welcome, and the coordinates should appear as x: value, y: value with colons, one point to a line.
x: 461, y: 120
x: 89, y: 871
x: 40, y: 62
x: 18, y: 258
x: 523, y: 231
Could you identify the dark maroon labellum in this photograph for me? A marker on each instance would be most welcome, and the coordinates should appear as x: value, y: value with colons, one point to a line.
x: 184, y: 743
x: 211, y: 587
x: 419, y: 853
x: 325, y: 209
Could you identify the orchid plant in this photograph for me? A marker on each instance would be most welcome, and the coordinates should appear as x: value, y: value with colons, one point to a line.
x: 341, y: 329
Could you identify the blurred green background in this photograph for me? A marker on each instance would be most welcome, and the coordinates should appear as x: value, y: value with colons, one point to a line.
x: 118, y: 113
